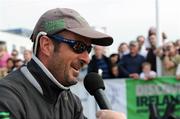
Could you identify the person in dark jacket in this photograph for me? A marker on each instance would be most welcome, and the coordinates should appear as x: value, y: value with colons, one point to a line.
x: 100, y: 63
x: 40, y: 90
x: 130, y: 64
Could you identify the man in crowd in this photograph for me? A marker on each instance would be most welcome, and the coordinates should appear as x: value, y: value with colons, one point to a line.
x: 123, y: 49
x: 151, y: 55
x: 40, y: 90
x: 142, y: 48
x: 170, y: 60
x: 130, y: 64
x: 27, y: 56
x: 100, y: 63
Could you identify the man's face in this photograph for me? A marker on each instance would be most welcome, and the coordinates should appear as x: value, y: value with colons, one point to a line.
x: 65, y: 64
x: 99, y: 51
x: 141, y: 41
x: 27, y: 55
x: 152, y: 40
x: 170, y: 48
x: 134, y: 48
x: 124, y: 48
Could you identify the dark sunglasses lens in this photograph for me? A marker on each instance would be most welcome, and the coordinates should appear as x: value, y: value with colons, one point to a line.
x: 89, y: 48
x: 80, y: 47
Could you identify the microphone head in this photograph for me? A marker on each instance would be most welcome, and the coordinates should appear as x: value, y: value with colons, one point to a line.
x: 92, y: 82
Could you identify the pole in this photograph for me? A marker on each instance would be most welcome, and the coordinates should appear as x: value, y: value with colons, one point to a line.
x: 159, y: 39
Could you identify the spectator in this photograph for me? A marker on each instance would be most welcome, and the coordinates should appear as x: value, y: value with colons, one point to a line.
x: 142, y: 49
x: 152, y: 48
x: 178, y: 72
x: 151, y: 55
x: 14, y: 54
x: 147, y: 73
x: 9, y: 68
x: 130, y: 64
x: 178, y: 46
x: 99, y: 63
x: 114, y: 71
x: 171, y: 59
x: 17, y: 64
x: 27, y: 56
x: 4, y: 55
x: 114, y: 58
x: 123, y: 49
x: 10, y: 65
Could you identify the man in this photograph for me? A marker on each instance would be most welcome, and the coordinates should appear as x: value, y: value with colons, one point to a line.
x: 40, y: 90
x: 100, y: 63
x: 27, y: 56
x: 14, y: 54
x: 123, y: 49
x: 151, y: 54
x: 130, y: 64
x: 170, y: 60
x: 142, y: 49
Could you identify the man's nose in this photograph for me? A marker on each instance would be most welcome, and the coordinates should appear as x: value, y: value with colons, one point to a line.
x: 85, y: 57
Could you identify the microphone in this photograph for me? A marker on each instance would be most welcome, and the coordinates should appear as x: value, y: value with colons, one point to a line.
x: 95, y: 86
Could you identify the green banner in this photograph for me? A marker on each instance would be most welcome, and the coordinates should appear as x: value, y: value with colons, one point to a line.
x: 160, y: 91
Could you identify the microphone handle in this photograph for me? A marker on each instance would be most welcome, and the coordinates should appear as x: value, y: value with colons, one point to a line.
x: 102, y: 100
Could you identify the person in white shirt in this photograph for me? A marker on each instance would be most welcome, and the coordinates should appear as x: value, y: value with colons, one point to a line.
x: 142, y: 48
x: 147, y: 72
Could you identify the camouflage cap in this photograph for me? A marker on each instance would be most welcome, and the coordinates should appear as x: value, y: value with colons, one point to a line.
x: 56, y: 20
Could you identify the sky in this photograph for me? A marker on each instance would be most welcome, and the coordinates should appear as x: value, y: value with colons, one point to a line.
x: 124, y: 20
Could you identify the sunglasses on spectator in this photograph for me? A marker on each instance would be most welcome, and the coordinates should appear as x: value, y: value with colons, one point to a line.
x: 77, y: 46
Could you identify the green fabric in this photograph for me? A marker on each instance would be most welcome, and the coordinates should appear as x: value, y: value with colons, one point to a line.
x: 53, y: 25
x: 160, y: 91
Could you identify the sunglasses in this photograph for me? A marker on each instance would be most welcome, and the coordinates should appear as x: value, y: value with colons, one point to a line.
x: 77, y: 46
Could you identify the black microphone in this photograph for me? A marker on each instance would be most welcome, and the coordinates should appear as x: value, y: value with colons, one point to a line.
x: 95, y: 86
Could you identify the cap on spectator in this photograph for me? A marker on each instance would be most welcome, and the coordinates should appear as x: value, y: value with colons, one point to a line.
x: 133, y: 43
x: 56, y: 20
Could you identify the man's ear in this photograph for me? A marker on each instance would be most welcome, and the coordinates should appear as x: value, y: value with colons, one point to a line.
x: 45, y: 45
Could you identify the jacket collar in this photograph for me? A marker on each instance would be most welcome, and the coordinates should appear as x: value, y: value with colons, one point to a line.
x: 49, y: 85
x: 48, y: 74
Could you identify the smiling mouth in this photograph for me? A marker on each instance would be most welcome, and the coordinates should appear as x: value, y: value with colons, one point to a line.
x: 76, y: 69
x: 76, y: 72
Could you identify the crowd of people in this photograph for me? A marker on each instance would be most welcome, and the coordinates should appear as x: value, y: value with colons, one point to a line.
x: 10, y: 61
x: 137, y: 59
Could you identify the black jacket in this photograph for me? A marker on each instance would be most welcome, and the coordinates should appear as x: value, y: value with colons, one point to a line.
x: 30, y: 93
x: 93, y: 67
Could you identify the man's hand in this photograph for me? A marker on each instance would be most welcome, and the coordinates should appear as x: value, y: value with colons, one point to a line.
x: 134, y: 76
x: 109, y: 114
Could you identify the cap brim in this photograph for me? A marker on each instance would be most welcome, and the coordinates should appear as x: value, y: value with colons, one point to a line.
x: 97, y: 38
